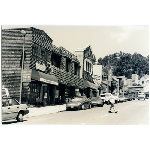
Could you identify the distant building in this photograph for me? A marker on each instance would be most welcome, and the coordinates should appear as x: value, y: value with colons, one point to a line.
x: 97, y: 75
x: 144, y: 80
x: 87, y: 60
x: 135, y: 78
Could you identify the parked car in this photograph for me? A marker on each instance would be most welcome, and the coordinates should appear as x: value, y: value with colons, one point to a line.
x: 128, y: 97
x: 116, y: 97
x: 97, y: 101
x: 79, y: 102
x: 12, y: 109
x: 122, y: 99
x: 103, y: 98
x: 107, y: 98
x: 5, y: 92
x: 141, y: 96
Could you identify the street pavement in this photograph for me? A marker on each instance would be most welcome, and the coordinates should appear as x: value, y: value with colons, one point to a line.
x: 134, y: 112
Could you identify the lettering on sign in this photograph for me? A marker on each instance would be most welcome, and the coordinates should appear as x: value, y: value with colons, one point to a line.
x: 48, y: 81
x: 26, y: 75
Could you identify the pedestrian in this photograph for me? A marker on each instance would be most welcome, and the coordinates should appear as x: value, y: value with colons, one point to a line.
x: 112, y: 101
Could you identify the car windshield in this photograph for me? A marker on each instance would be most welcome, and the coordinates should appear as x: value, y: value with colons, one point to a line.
x: 102, y: 95
x: 75, y: 99
x: 141, y: 94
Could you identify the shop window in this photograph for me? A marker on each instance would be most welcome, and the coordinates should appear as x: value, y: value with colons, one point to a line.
x: 55, y: 59
x: 34, y: 92
x: 68, y: 64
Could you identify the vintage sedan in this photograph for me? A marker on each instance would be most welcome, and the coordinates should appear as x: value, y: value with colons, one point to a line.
x: 79, y: 102
x: 122, y: 99
x: 12, y: 109
x: 97, y: 101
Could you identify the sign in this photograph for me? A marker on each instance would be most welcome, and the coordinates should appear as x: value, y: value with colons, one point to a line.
x: 48, y: 81
x: 26, y: 75
x: 40, y: 66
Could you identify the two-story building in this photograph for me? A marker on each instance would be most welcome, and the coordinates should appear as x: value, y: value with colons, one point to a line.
x: 87, y: 60
x: 50, y: 74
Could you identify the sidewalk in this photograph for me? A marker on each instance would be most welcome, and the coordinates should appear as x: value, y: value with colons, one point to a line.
x: 38, y: 111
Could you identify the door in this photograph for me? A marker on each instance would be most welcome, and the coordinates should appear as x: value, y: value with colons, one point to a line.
x: 10, y: 110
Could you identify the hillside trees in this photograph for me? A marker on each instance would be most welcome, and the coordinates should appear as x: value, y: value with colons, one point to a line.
x: 127, y: 64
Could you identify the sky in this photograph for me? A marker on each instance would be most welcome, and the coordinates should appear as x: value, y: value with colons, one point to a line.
x: 104, y: 40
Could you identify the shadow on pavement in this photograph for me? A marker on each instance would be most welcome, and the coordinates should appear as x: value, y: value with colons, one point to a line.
x: 10, y: 122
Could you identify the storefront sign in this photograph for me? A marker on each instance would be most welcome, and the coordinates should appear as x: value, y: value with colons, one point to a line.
x: 48, y: 81
x: 26, y: 75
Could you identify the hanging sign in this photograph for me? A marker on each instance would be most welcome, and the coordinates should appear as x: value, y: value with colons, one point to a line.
x: 26, y: 75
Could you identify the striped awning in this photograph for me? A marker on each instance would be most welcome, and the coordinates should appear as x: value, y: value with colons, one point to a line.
x: 89, y: 84
x: 32, y: 74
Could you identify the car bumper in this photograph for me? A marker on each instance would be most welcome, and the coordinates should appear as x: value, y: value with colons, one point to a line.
x: 26, y: 112
x: 72, y: 107
x: 95, y: 104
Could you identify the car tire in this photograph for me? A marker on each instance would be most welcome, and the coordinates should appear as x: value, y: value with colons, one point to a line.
x: 101, y: 105
x: 83, y: 107
x: 90, y: 106
x: 20, y: 117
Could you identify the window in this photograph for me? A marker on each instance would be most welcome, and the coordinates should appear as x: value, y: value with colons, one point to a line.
x: 68, y: 63
x: 12, y: 102
x: 55, y: 59
x: 75, y: 69
x: 9, y: 102
x: 142, y: 82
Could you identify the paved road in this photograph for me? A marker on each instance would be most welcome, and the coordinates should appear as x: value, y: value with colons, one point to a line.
x: 129, y: 113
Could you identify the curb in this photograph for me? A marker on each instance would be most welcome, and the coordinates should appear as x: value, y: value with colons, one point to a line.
x: 45, y: 110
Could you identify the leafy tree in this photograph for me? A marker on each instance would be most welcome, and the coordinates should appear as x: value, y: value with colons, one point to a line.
x: 127, y: 64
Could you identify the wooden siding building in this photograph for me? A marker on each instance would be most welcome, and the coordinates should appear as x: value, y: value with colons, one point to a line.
x: 50, y: 74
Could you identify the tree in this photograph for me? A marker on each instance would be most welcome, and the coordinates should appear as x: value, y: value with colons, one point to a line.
x: 127, y: 64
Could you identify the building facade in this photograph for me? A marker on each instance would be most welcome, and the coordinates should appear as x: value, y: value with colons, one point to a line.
x: 50, y: 74
x: 87, y: 60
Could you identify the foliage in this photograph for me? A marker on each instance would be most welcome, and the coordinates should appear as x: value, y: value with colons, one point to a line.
x: 127, y: 64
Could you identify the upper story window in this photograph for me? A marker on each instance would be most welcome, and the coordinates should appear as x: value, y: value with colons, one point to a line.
x: 76, y: 69
x: 68, y: 64
x: 88, y: 66
x: 142, y: 82
x: 55, y: 59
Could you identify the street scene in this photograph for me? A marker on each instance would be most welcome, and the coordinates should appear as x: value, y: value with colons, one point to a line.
x: 94, y: 116
x: 64, y: 80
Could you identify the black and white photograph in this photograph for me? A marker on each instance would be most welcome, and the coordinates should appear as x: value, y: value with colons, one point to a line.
x: 74, y: 75
x: 66, y: 75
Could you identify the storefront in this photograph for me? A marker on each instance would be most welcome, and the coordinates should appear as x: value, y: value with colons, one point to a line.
x: 90, y: 89
x: 42, y: 87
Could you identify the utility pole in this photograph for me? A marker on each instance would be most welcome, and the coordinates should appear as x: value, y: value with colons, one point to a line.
x: 23, y: 33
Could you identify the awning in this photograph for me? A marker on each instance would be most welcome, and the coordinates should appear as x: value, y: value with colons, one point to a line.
x: 51, y: 79
x: 89, y: 84
x: 29, y: 74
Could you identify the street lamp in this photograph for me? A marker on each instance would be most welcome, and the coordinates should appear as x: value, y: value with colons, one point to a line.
x: 23, y: 34
x: 109, y: 68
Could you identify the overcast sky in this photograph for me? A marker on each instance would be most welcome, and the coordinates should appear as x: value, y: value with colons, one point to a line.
x: 104, y: 40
